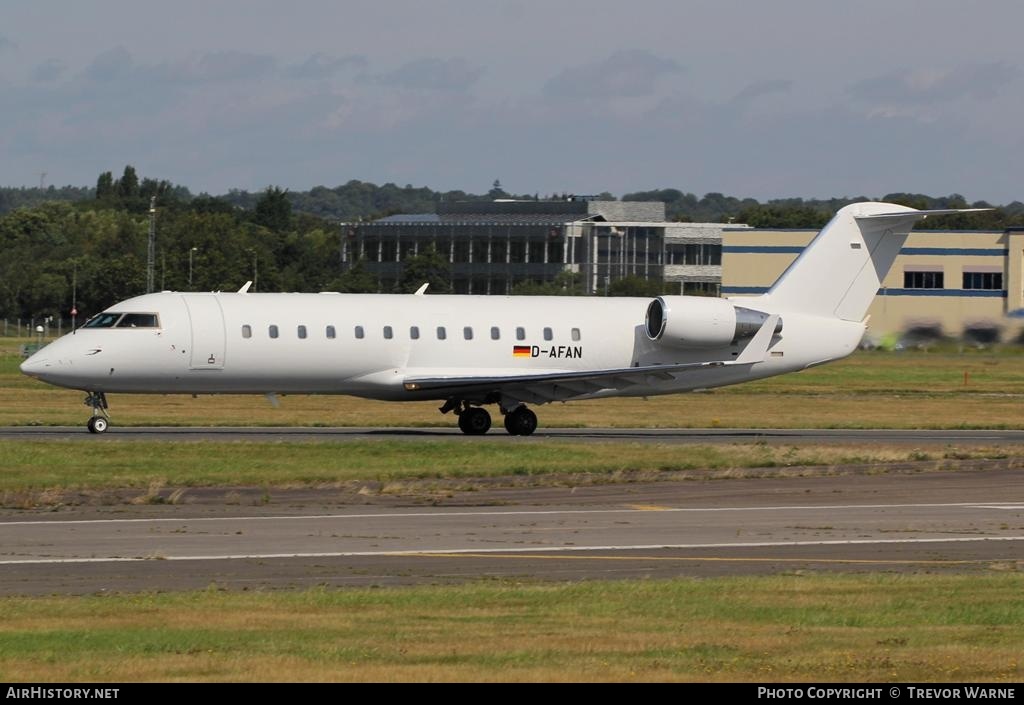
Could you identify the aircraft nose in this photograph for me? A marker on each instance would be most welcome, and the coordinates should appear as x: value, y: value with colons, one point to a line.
x: 34, y: 366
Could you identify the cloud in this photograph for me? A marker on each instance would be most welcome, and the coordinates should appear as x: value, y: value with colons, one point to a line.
x: 49, y: 70
x: 319, y: 65
x: 222, y: 66
x: 931, y: 86
x: 117, y: 66
x: 757, y: 89
x: 445, y: 75
x: 6, y: 43
x: 109, y: 65
x: 623, y: 74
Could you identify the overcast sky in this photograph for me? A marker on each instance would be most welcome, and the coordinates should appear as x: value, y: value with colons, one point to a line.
x: 766, y: 99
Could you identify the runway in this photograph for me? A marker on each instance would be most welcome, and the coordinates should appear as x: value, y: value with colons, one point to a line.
x: 963, y: 521
x: 645, y: 435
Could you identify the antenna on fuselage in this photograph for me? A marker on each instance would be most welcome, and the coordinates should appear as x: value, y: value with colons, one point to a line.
x: 245, y: 287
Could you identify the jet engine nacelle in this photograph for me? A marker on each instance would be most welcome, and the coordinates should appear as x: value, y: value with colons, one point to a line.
x: 701, y: 322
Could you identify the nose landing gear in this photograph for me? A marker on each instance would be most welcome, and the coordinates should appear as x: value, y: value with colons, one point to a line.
x: 100, y: 420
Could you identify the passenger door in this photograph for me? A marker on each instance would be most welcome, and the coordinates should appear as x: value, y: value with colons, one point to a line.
x: 208, y: 337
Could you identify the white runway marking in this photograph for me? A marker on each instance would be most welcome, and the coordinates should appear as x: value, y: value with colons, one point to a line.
x: 498, y: 551
x: 529, y: 512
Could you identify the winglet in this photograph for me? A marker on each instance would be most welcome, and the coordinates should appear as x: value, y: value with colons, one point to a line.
x: 422, y: 290
x: 758, y: 345
x: 245, y: 288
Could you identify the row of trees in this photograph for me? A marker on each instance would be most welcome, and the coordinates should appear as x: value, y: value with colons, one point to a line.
x: 90, y: 245
x: 360, y: 200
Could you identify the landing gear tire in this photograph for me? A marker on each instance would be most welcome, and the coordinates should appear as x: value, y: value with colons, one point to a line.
x: 100, y: 419
x: 475, y: 421
x: 520, y: 422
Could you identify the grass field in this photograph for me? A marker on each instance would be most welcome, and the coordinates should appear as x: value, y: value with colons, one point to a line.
x: 912, y: 389
x: 784, y: 628
x: 36, y: 466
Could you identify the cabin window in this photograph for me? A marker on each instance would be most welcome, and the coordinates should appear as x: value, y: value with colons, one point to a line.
x: 441, y: 333
x: 575, y: 335
x: 467, y: 333
x: 103, y: 320
x: 520, y: 334
x: 273, y: 331
x: 547, y: 334
x: 495, y: 333
x: 359, y: 332
x: 302, y: 332
x: 388, y: 333
x: 331, y: 333
x: 138, y: 320
x: 246, y: 331
x: 414, y: 332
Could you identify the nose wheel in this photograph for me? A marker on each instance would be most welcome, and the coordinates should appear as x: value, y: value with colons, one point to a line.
x: 100, y: 420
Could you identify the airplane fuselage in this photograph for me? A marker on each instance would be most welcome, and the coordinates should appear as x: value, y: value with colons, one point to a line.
x: 368, y: 344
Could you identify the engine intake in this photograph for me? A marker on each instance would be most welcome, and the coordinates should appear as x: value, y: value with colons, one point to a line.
x: 701, y: 322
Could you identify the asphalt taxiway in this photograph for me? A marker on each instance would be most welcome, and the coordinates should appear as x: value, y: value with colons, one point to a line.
x: 938, y: 521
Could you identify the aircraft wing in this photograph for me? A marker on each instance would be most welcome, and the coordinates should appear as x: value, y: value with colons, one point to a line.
x: 555, y: 386
x: 541, y: 387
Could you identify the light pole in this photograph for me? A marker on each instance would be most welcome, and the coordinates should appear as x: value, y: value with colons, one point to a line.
x: 191, y: 250
x: 255, y: 270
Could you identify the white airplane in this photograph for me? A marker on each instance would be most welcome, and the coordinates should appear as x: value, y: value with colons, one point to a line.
x: 471, y: 351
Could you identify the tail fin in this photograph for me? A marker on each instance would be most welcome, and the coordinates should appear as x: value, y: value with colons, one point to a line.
x: 841, y: 270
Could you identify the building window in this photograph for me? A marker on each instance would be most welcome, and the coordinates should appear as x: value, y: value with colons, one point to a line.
x: 441, y: 333
x: 983, y: 280
x: 575, y: 335
x: 698, y: 253
x: 246, y: 331
x: 359, y: 332
x: 467, y: 333
x: 302, y: 332
x: 547, y: 334
x: 520, y: 334
x: 923, y: 280
x: 495, y: 333
x: 702, y: 289
x: 273, y: 331
x: 331, y: 333
x: 388, y: 333
x: 414, y: 332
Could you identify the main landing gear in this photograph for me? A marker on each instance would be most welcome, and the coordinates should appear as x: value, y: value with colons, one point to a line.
x: 476, y: 421
x: 100, y: 420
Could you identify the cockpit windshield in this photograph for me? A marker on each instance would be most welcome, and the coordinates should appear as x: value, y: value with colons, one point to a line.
x: 102, y: 320
x: 123, y: 320
x: 138, y: 320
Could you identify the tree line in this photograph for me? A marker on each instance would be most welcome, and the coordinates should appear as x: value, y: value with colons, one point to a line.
x: 88, y: 246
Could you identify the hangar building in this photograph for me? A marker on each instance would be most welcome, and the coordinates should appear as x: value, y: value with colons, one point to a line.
x: 944, y: 282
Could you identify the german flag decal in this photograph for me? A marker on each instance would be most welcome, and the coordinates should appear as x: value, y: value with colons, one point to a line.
x: 520, y: 351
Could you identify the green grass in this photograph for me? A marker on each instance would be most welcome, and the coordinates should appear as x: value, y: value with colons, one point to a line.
x: 108, y: 463
x: 811, y: 628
